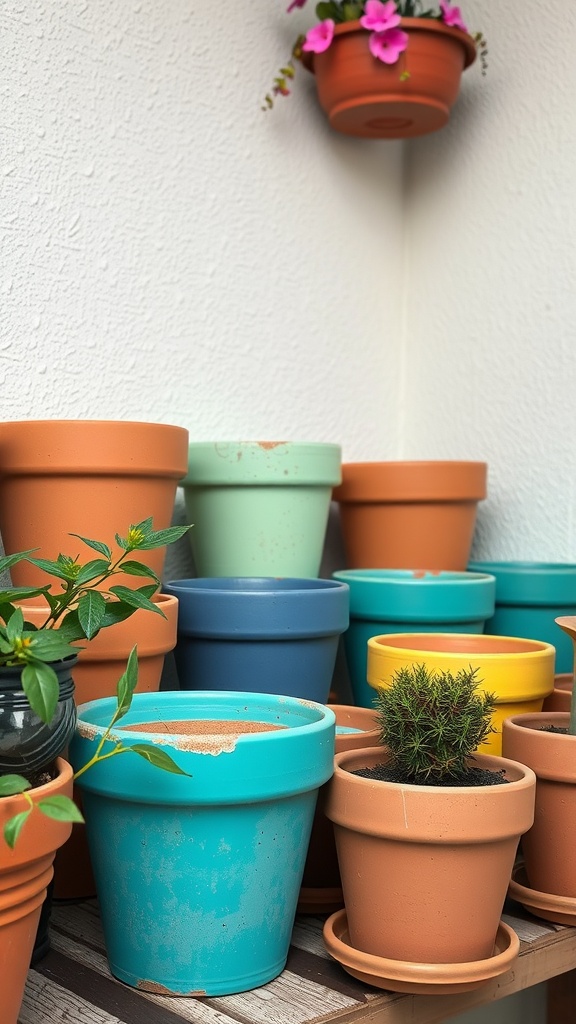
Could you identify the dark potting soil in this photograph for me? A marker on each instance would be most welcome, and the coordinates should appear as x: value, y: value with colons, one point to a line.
x: 473, y: 777
x: 554, y: 728
x: 39, y: 778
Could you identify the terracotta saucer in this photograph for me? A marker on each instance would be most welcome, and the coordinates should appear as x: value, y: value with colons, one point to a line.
x: 424, y: 979
x: 559, y: 909
x: 319, y: 901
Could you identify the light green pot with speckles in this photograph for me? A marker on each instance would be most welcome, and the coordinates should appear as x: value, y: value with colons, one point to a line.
x: 259, y: 508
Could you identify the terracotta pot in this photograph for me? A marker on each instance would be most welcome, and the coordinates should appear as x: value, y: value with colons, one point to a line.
x: 548, y: 847
x: 91, y: 477
x: 100, y: 665
x: 25, y: 873
x: 399, y: 515
x: 321, y: 891
x: 364, y: 97
x: 561, y: 697
x: 520, y: 672
x: 425, y: 869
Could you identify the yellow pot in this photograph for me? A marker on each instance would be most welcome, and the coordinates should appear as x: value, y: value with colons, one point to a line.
x: 520, y: 672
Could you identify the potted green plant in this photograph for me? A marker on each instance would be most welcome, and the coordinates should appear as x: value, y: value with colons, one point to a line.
x: 37, y: 713
x: 426, y: 832
x: 384, y: 70
x: 35, y: 820
x: 546, y: 741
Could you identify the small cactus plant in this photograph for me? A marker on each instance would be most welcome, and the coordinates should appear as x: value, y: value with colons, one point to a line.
x: 432, y: 722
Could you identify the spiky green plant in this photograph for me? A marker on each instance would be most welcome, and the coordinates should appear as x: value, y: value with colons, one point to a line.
x: 433, y: 721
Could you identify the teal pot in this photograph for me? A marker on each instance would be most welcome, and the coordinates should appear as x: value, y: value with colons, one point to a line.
x: 198, y: 875
x: 27, y: 744
x: 411, y: 601
x: 529, y: 597
x: 259, y: 634
x: 259, y: 508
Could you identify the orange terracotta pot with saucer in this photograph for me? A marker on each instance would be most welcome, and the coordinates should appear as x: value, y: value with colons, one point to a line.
x: 364, y: 97
x: 91, y: 477
x: 425, y: 870
x: 25, y: 873
x: 410, y: 514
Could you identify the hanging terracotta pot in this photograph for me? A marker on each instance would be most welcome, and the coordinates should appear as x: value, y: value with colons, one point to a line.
x: 399, y: 515
x: 520, y: 672
x: 425, y: 869
x: 25, y: 873
x: 321, y: 891
x: 364, y: 97
x: 91, y: 477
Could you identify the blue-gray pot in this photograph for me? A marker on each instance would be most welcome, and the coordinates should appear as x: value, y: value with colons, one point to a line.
x: 259, y: 634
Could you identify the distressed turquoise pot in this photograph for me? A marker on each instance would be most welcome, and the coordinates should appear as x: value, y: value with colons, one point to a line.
x: 529, y: 597
x: 414, y: 601
x: 198, y: 877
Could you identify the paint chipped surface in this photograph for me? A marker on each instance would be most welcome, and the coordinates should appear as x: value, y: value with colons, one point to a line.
x: 420, y: 574
x: 267, y: 445
x: 161, y: 990
x: 206, y: 736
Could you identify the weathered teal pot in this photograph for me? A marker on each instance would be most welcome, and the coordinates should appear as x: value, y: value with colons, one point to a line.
x: 259, y: 508
x: 415, y: 601
x: 529, y: 597
x: 198, y: 877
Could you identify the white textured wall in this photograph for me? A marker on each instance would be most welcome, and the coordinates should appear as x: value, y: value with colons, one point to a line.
x: 490, y: 358
x: 170, y: 252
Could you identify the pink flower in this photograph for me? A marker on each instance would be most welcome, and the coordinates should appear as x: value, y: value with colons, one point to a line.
x: 378, y: 16
x: 294, y: 5
x: 452, y: 15
x: 387, y: 46
x: 319, y: 38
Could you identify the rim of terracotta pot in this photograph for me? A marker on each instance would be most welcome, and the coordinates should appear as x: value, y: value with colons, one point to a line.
x: 377, y: 810
x: 154, y: 634
x: 564, y: 681
x: 362, y: 720
x: 428, y: 25
x: 395, y: 595
x: 94, y: 447
x: 40, y: 835
x: 532, y: 583
x: 424, y: 481
x: 258, y: 463
x: 551, y: 755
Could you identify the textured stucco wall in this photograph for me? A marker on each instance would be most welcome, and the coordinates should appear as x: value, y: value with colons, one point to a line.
x: 489, y: 367
x: 172, y: 253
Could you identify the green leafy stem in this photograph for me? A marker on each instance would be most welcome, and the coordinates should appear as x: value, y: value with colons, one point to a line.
x: 62, y: 808
x: 78, y: 610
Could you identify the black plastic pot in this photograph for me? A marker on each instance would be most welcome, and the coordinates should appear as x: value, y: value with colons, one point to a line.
x: 27, y: 744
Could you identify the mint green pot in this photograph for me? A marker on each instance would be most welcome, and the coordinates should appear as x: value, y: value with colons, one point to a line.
x: 414, y: 601
x: 259, y: 508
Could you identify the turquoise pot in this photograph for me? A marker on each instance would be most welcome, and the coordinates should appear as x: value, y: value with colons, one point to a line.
x: 198, y: 877
x: 529, y: 596
x: 414, y: 601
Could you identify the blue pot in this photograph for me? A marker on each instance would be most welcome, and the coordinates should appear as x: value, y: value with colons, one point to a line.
x: 259, y: 634
x: 198, y: 877
x: 404, y: 600
x: 529, y: 596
